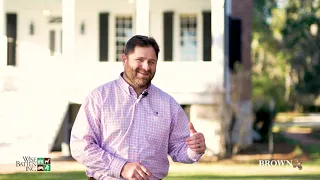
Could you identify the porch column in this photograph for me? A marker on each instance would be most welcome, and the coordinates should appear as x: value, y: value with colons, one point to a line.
x: 214, y: 127
x: 68, y: 53
x: 217, y: 33
x: 3, y: 45
x: 142, y: 17
x: 228, y: 10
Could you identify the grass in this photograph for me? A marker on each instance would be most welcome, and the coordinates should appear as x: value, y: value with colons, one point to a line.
x: 45, y: 175
x: 316, y: 134
x: 287, y: 116
x: 255, y: 177
x: 172, y: 176
x: 213, y: 170
x: 313, y: 150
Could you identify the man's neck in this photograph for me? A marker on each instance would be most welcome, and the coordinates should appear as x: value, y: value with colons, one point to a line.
x: 136, y: 89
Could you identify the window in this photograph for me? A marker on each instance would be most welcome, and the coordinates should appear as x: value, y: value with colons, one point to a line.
x: 188, y: 37
x: 123, y: 33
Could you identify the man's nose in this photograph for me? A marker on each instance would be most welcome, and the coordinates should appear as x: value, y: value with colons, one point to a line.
x: 146, y: 66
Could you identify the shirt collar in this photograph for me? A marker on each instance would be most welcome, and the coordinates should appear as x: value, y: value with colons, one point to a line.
x: 126, y: 87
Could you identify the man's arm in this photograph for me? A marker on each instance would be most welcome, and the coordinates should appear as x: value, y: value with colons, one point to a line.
x: 86, y: 139
x: 178, y: 149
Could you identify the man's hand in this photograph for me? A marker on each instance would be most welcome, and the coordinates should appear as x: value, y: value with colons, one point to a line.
x: 135, y: 171
x: 196, y: 141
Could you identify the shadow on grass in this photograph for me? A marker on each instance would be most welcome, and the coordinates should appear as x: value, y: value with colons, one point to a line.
x: 311, y: 150
x: 207, y: 177
x: 45, y: 175
x: 82, y: 176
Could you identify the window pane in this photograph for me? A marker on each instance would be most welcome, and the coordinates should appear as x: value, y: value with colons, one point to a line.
x: 188, y: 38
x: 123, y: 33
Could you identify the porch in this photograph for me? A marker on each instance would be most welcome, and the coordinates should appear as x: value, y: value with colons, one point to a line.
x: 59, y: 63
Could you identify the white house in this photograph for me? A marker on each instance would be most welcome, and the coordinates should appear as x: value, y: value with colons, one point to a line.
x: 54, y: 52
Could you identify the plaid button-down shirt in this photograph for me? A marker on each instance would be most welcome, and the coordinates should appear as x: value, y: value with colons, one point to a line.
x: 114, y: 126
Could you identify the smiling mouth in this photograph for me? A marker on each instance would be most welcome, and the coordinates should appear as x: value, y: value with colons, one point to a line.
x: 144, y: 74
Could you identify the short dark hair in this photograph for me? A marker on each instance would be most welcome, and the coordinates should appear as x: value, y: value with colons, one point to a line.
x: 141, y: 41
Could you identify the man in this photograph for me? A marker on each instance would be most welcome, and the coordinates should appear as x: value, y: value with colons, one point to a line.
x: 126, y: 128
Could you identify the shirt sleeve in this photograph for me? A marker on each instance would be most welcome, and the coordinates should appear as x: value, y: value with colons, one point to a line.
x: 178, y: 149
x: 85, y: 142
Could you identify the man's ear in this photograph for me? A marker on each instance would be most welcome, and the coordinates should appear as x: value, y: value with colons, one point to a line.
x: 124, y: 58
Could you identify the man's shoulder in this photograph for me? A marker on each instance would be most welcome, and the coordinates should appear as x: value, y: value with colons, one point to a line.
x: 103, y: 88
x: 164, y: 95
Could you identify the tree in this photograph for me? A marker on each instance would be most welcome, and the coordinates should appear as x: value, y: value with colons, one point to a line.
x: 285, y: 51
x: 303, y: 41
x: 269, y: 64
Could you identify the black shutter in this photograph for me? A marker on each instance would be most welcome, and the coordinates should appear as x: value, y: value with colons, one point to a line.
x: 103, y: 36
x: 52, y: 42
x: 12, y: 38
x: 234, y: 42
x: 207, y: 39
x: 168, y: 35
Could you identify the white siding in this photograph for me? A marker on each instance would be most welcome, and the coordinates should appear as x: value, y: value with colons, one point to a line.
x: 188, y: 82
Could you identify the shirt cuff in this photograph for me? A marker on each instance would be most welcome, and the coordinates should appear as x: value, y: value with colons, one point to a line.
x: 116, y: 167
x: 195, y: 157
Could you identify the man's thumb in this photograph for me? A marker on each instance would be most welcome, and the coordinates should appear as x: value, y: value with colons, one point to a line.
x: 191, y: 128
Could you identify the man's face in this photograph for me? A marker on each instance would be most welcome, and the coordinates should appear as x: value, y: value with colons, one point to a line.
x: 140, y: 66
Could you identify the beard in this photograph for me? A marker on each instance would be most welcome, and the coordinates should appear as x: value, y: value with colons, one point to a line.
x: 138, y: 77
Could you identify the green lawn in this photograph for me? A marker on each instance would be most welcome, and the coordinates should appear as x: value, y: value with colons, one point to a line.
x: 207, y: 177
x: 175, y: 176
x: 203, y: 171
